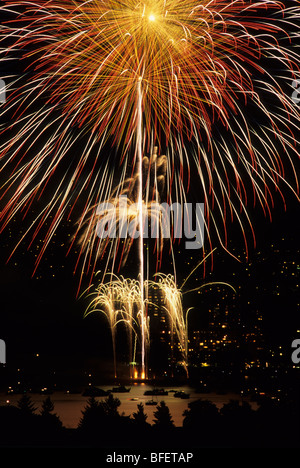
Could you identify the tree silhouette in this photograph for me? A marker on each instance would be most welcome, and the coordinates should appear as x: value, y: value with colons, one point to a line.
x: 101, y: 422
x: 92, y: 414
x: 110, y: 406
x: 26, y: 405
x: 140, y: 417
x: 235, y: 411
x: 202, y: 421
x: 200, y: 411
x: 47, y: 407
x: 49, y: 418
x: 162, y: 416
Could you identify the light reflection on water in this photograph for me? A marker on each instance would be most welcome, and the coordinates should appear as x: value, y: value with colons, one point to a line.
x: 69, y: 407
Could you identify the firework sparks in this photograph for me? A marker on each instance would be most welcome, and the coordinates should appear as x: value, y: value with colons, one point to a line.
x: 192, y: 67
x: 177, y: 316
x: 104, y: 302
x: 113, y: 225
x: 174, y: 309
x: 120, y: 301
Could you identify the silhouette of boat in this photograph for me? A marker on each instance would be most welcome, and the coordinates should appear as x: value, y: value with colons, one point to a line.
x: 151, y: 402
x: 182, y: 395
x: 120, y: 389
x: 156, y: 392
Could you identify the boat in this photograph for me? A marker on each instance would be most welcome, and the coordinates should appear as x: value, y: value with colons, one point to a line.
x: 181, y: 395
x: 151, y: 402
x: 120, y: 389
x: 156, y: 392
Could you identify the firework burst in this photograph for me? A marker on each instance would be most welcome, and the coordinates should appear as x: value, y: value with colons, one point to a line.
x: 119, y: 299
x: 110, y: 221
x: 179, y: 74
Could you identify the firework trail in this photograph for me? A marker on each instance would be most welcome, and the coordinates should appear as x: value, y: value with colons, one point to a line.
x: 177, y: 74
x: 105, y: 302
x: 130, y: 300
x: 133, y: 309
x: 173, y: 306
x: 120, y: 301
x: 127, y: 207
x: 109, y: 222
x: 174, y: 309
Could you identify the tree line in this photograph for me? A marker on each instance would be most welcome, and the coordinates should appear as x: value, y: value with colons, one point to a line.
x: 236, y: 424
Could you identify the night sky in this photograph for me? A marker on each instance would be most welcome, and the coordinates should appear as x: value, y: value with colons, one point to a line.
x: 40, y: 313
